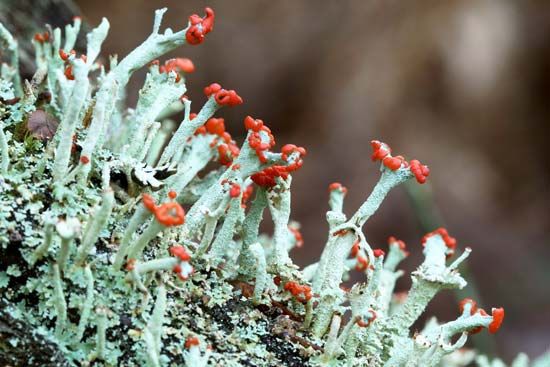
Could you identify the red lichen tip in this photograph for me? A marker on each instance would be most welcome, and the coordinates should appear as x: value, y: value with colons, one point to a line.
x: 191, y: 341
x: 420, y: 171
x: 450, y: 242
x: 42, y: 37
x: 400, y: 243
x: 235, y: 191
x: 378, y: 252
x: 253, y: 124
x: 200, y: 27
x: 362, y: 323
x: 178, y: 64
x: 228, y: 98
x: 69, y: 73
x: 355, y: 249
x: 63, y: 55
x: 84, y: 159
x: 471, y: 302
x: 393, y: 163
x: 215, y: 126
x: 180, y: 253
x: 130, y: 264
x: 183, y: 270
x: 223, y: 97
x: 498, y: 317
x: 288, y: 149
x: 362, y: 263
x: 302, y: 293
x: 148, y: 202
x: 168, y: 214
x: 258, y: 132
x: 172, y: 194
x: 247, y: 194
x: 226, y: 153
x: 380, y: 150
x: 337, y: 186
x: 297, y: 236
x: 497, y: 314
x: 211, y: 89
x: 267, y: 177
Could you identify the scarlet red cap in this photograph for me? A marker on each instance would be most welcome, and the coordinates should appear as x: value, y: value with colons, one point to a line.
x: 466, y: 301
x: 199, y: 27
x: 337, y: 186
x: 235, y: 191
x: 498, y: 317
x: 191, y: 341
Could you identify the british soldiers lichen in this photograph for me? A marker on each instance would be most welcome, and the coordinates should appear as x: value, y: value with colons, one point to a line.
x: 116, y: 250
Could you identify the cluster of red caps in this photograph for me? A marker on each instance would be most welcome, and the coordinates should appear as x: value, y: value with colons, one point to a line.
x: 255, y: 126
x: 177, y: 65
x: 200, y: 27
x: 402, y: 246
x: 337, y: 186
x: 228, y: 150
x: 496, y: 313
x: 65, y: 57
x: 266, y: 178
x: 222, y: 96
x: 45, y: 36
x: 362, y: 323
x: 382, y: 152
x: 169, y: 214
x: 235, y: 190
x: 42, y: 37
x: 180, y: 253
x: 363, y: 262
x: 183, y: 256
x: 302, y: 293
x: 191, y: 341
x: 450, y: 242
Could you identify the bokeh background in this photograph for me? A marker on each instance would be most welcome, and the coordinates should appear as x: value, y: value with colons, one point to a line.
x: 464, y: 86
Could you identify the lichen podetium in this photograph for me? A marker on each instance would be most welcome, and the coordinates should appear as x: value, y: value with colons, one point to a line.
x: 126, y: 242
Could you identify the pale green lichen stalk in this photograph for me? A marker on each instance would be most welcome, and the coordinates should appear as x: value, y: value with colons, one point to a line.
x: 128, y: 239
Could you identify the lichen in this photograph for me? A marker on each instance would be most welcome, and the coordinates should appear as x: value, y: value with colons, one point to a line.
x: 122, y: 243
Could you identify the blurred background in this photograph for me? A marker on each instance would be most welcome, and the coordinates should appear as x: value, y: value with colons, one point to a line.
x: 463, y: 86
